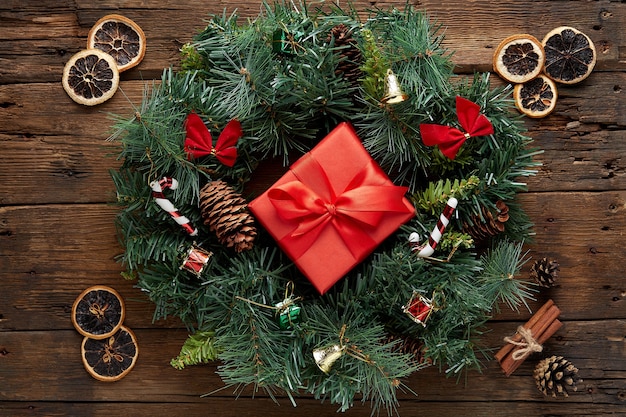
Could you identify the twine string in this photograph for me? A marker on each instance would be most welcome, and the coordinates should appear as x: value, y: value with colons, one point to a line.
x: 280, y: 307
x: 528, y: 344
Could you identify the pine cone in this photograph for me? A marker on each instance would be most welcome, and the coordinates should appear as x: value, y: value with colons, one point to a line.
x: 489, y: 225
x: 545, y: 272
x: 408, y: 345
x: 226, y: 214
x: 350, y: 65
x: 554, y: 375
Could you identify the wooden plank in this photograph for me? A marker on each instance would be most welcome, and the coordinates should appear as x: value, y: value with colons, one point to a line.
x: 242, y: 407
x: 597, y: 351
x: 61, y: 169
x: 45, y: 109
x: 575, y: 159
x: 51, y: 35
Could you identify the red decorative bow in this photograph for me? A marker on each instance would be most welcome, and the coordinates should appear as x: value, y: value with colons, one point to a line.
x: 199, y: 142
x: 353, y: 211
x: 450, y: 139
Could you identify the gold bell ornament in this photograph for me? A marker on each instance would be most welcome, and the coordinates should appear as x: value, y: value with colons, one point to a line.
x: 393, y: 92
x: 326, y: 356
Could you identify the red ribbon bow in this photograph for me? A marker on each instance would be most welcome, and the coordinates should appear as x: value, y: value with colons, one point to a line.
x: 199, y: 142
x: 450, y: 139
x: 315, y: 204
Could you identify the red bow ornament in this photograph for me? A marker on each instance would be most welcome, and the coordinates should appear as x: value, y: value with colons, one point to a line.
x: 199, y: 142
x: 450, y: 139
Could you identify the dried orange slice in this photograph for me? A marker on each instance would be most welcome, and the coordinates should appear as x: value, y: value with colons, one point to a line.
x: 119, y: 37
x: 112, y: 358
x: 90, y: 77
x: 537, y: 97
x: 98, y: 312
x: 570, y: 55
x: 519, y: 58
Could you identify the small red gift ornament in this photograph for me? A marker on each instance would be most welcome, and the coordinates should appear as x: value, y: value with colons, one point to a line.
x: 418, y: 308
x: 196, y: 260
x: 332, y: 208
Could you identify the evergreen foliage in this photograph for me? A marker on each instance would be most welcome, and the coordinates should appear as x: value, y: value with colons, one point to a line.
x: 278, y: 76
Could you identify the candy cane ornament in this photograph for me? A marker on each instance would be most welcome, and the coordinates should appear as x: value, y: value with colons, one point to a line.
x: 159, y: 198
x: 429, y: 248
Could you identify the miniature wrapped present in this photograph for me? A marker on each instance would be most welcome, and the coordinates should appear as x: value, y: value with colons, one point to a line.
x: 332, y: 208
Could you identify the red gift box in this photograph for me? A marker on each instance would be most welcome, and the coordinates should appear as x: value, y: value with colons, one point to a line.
x: 332, y: 208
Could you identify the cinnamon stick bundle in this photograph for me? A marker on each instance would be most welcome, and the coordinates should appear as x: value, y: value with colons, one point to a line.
x: 541, y: 326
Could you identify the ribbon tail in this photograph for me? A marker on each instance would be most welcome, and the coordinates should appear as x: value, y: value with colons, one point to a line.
x: 351, y: 232
x: 448, y: 139
x: 450, y: 149
x: 195, y: 150
x: 433, y: 134
x: 227, y: 156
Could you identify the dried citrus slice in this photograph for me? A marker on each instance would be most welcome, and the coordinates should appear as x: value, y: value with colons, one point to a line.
x: 119, y: 37
x: 112, y: 358
x: 519, y: 58
x: 91, y: 77
x: 98, y: 312
x: 570, y: 55
x: 537, y: 97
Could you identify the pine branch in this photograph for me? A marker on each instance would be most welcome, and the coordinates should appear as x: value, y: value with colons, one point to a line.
x: 434, y: 198
x: 199, y: 348
x: 498, y: 280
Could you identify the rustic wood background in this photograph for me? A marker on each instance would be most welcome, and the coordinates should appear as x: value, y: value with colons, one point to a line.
x: 57, y: 235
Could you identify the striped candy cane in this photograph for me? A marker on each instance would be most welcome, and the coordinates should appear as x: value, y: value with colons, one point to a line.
x: 429, y: 248
x: 165, y: 204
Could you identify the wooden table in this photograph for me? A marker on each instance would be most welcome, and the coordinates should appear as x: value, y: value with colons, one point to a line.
x: 57, y: 232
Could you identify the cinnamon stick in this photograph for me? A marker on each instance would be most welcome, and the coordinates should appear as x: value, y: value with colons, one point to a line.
x: 556, y: 325
x: 509, y: 364
x: 506, y: 349
x: 542, y: 326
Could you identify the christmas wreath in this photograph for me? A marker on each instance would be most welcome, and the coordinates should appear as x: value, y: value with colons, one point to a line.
x: 399, y: 168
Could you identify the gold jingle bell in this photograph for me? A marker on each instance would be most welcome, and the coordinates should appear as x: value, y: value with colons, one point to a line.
x: 326, y: 356
x: 393, y: 92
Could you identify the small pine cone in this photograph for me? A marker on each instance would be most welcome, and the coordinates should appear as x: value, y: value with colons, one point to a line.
x: 555, y: 375
x: 226, y: 213
x: 350, y: 66
x: 408, y: 345
x: 491, y: 225
x: 545, y: 272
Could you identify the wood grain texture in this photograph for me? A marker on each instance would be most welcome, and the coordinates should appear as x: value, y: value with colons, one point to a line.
x: 57, y: 232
